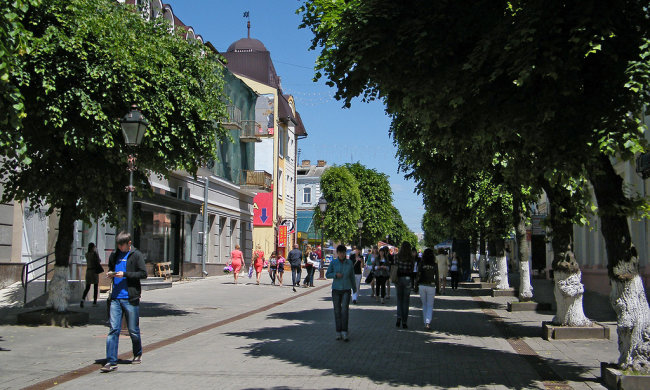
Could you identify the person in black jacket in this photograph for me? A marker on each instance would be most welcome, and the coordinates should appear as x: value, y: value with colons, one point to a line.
x: 295, y: 259
x: 126, y: 268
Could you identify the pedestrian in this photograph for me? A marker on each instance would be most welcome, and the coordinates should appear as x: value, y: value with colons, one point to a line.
x: 381, y: 271
x: 454, y: 270
x: 359, y: 264
x: 273, y: 267
x: 391, y: 261
x: 414, y: 282
x: 93, y: 269
x: 342, y: 271
x: 427, y: 279
x: 281, y: 261
x: 295, y: 259
x: 368, y: 270
x: 236, y: 262
x: 258, y: 262
x: 443, y: 267
x: 311, y: 260
x: 404, y: 262
x: 126, y: 268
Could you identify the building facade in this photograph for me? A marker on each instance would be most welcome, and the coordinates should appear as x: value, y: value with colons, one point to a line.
x: 308, y: 193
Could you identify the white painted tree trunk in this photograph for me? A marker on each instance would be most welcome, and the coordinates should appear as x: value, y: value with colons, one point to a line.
x: 631, y: 306
x: 472, y: 262
x: 58, y: 290
x: 493, y: 273
x: 568, y: 297
x: 502, y: 266
x: 525, y: 288
x: 482, y: 267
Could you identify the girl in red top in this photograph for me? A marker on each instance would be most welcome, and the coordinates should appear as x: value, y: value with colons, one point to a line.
x: 236, y: 262
x: 258, y: 262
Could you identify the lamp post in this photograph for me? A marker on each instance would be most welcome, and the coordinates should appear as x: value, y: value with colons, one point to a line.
x: 322, y: 206
x: 360, y: 226
x: 134, y: 125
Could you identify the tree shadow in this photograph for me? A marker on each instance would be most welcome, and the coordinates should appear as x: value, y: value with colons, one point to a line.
x: 382, y: 353
x: 1, y: 348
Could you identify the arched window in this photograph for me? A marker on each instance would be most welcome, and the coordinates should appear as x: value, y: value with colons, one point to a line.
x: 168, y: 15
x: 156, y: 9
x: 144, y: 6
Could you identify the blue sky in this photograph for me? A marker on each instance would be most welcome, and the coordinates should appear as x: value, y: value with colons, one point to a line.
x: 336, y: 135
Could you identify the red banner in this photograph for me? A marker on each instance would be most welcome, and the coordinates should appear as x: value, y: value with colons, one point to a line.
x: 263, y: 209
x: 282, y: 236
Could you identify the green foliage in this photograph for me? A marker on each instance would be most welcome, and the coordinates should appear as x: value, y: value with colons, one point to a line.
x: 399, y: 231
x: 376, y: 200
x: 341, y: 191
x: 84, y: 64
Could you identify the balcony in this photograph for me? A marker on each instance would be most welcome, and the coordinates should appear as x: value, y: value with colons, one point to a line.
x: 257, y: 180
x: 250, y: 131
x: 233, y: 121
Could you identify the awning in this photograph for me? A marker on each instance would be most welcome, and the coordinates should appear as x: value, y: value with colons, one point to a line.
x: 171, y: 204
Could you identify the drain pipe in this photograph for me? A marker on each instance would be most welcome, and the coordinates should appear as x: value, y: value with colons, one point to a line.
x: 205, y: 224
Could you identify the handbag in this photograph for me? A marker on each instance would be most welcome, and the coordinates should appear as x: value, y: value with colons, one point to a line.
x: 250, y: 272
x: 393, y: 274
x: 369, y: 278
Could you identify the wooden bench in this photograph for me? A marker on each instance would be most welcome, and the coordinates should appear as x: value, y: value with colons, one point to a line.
x: 163, y: 270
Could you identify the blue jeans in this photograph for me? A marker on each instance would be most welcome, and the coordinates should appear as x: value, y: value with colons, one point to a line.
x: 296, y: 271
x: 341, y: 300
x: 403, y: 286
x: 132, y: 312
x: 309, y: 279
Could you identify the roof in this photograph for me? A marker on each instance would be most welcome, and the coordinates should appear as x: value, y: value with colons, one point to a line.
x: 247, y: 45
x: 284, y: 110
x: 300, y: 127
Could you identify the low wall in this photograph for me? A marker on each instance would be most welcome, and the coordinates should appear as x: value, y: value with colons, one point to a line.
x: 596, y: 279
x: 10, y: 273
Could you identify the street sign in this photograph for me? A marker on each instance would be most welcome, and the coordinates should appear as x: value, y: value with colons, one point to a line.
x: 282, y: 236
x: 289, y: 224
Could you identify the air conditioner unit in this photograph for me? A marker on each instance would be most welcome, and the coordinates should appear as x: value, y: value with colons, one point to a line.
x: 183, y: 193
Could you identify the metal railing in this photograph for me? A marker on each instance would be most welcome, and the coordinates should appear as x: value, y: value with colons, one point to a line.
x: 259, y: 179
x: 27, y: 269
x: 251, y: 131
x: 233, y: 121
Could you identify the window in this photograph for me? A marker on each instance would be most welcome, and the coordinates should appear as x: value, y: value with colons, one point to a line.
x: 306, y: 195
x: 280, y: 182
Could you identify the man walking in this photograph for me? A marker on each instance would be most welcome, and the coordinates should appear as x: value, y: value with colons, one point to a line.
x: 342, y: 271
x: 126, y: 268
x: 295, y: 259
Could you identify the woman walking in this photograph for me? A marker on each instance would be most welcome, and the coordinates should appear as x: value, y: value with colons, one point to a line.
x: 443, y: 267
x: 427, y: 278
x: 273, y: 267
x: 381, y: 270
x: 359, y: 263
x: 454, y: 270
x: 281, y: 261
x: 258, y: 262
x: 93, y: 269
x: 310, y: 260
x: 236, y: 262
x: 404, y: 263
x: 342, y: 271
x: 371, y: 259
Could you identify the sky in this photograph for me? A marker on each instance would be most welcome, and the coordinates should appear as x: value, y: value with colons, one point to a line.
x: 337, y: 135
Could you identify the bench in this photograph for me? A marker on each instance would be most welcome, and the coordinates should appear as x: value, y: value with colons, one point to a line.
x: 163, y: 270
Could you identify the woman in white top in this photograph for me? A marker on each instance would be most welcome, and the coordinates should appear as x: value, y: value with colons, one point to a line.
x: 443, y: 267
x: 454, y: 270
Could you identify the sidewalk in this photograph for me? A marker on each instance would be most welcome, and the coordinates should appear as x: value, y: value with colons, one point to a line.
x: 291, y: 344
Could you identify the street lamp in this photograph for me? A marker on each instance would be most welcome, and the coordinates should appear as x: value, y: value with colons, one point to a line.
x: 134, y: 125
x: 360, y: 226
x: 322, y: 206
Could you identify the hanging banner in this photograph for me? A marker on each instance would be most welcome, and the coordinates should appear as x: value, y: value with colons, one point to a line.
x: 282, y: 236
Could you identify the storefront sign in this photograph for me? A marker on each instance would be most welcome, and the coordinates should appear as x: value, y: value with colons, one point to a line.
x: 282, y: 236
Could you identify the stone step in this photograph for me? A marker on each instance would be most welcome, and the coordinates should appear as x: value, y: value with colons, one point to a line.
x: 477, y: 285
x: 505, y: 292
x: 155, y: 283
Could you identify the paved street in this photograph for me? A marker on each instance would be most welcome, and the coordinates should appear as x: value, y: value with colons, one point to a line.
x: 212, y: 334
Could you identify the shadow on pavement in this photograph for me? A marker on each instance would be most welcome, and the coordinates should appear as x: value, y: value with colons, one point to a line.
x: 383, y: 353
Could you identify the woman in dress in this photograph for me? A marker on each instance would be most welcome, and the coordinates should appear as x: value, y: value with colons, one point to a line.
x: 93, y: 269
x: 258, y: 262
x: 381, y: 271
x: 281, y: 261
x: 236, y: 262
x: 443, y: 267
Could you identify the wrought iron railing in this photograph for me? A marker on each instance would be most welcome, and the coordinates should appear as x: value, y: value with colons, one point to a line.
x: 233, y: 121
x: 37, y: 271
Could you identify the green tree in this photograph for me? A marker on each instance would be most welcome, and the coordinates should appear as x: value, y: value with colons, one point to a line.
x: 341, y: 191
x: 86, y: 62
x: 565, y: 78
x: 376, y: 200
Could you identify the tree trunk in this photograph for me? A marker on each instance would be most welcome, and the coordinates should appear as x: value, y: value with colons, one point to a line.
x: 502, y: 265
x: 482, y: 258
x: 493, y: 271
x: 568, y: 289
x: 472, y: 255
x: 58, y: 290
x: 525, y: 288
x: 628, y: 295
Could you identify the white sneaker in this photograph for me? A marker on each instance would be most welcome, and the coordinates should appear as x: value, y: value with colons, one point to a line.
x: 345, y: 336
x: 338, y: 336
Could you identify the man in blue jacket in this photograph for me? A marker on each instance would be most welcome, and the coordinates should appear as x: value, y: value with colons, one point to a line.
x: 126, y: 268
x: 295, y: 259
x: 342, y: 271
